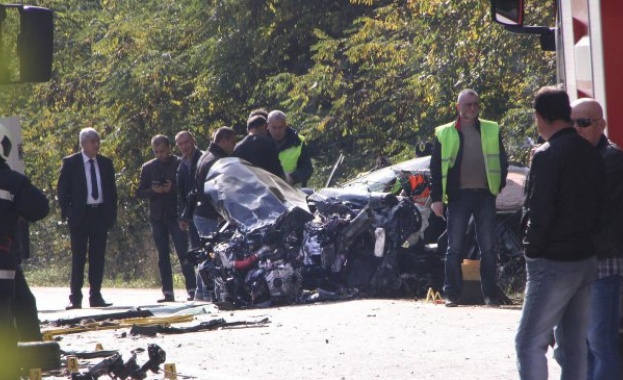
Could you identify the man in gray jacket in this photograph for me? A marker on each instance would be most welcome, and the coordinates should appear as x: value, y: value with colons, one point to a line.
x: 158, y: 185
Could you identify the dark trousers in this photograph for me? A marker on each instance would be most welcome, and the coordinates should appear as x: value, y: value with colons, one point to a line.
x: 161, y: 230
x: 19, y: 321
x: 481, y: 205
x: 25, y: 310
x: 195, y: 242
x: 8, y: 336
x: 8, y: 340
x: 88, y: 237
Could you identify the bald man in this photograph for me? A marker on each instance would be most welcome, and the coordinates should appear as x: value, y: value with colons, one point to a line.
x: 468, y: 169
x: 605, y: 312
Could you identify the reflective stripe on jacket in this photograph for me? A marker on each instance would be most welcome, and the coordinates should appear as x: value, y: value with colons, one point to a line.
x: 448, y: 137
x: 289, y: 157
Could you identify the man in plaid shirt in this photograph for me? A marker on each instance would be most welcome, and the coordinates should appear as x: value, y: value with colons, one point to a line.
x: 605, y: 309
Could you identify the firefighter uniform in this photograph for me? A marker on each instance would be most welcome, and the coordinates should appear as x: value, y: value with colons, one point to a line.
x: 18, y: 199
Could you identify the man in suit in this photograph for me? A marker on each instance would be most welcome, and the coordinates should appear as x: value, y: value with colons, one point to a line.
x: 87, y: 195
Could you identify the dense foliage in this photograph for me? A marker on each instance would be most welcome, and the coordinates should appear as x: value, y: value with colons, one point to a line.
x: 366, y: 78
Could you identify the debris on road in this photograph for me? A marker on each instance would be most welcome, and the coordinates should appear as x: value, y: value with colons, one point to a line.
x: 219, y: 323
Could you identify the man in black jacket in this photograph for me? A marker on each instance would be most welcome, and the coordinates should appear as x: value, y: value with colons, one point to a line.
x: 605, y: 308
x: 222, y: 145
x: 565, y: 196
x: 185, y: 142
x: 87, y: 195
x: 19, y: 199
x: 158, y: 185
x: 205, y: 216
x: 258, y: 148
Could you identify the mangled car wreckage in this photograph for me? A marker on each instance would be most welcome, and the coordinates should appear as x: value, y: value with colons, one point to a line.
x: 279, y: 245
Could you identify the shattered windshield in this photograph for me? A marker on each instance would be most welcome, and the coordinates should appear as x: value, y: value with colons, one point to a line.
x: 383, y: 179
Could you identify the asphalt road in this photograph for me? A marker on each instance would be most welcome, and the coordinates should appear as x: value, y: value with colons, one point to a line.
x: 359, y: 339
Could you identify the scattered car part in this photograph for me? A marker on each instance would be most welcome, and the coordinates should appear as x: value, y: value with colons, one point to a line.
x: 43, y: 355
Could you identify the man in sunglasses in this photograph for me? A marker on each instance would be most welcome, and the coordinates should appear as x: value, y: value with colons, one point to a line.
x: 605, y: 312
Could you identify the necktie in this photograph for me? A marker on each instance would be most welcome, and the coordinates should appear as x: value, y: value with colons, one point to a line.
x: 94, y: 191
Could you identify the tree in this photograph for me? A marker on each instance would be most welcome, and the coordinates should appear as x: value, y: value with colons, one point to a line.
x: 396, y: 76
x: 365, y: 78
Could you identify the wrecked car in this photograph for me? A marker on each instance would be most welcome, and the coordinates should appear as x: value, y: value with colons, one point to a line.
x: 281, y: 246
x: 511, y: 265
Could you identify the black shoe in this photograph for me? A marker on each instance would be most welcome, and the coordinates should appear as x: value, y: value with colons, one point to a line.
x: 451, y: 301
x: 99, y: 303
x: 167, y: 298
x: 73, y: 306
x: 500, y: 299
x: 191, y: 297
x: 492, y: 302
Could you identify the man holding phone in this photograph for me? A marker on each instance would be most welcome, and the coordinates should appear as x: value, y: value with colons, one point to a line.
x: 158, y: 185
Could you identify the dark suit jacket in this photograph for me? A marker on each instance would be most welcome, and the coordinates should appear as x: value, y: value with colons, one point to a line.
x: 72, y: 189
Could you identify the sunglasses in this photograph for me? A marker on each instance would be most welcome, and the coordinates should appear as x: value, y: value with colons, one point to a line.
x: 584, y: 122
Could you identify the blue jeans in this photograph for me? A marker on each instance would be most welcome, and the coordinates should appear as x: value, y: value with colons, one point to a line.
x: 557, y: 296
x: 161, y: 230
x: 603, y: 329
x: 205, y: 226
x: 480, y: 204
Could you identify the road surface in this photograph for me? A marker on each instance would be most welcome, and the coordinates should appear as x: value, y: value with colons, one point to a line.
x: 358, y: 339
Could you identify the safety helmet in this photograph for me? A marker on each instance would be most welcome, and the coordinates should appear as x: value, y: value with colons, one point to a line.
x: 5, y: 143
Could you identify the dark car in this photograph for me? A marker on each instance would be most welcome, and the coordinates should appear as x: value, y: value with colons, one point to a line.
x: 509, y: 202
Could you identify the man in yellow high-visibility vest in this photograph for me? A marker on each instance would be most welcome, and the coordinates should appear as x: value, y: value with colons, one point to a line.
x: 293, y: 151
x: 468, y: 169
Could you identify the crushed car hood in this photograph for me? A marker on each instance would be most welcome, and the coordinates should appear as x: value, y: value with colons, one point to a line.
x: 249, y: 196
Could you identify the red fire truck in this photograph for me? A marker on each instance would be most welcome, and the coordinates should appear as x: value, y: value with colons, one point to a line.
x: 588, y: 39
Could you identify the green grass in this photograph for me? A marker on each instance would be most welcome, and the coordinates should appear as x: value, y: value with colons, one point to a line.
x: 57, y: 275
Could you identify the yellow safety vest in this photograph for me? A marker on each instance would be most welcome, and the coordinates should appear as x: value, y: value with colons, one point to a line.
x: 448, y: 137
x: 290, y: 157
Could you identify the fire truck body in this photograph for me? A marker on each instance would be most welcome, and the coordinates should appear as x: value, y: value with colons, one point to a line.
x: 589, y: 50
